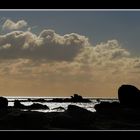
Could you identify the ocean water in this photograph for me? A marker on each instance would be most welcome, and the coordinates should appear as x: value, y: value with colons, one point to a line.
x: 52, y: 105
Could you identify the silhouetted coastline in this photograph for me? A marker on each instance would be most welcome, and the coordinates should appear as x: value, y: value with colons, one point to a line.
x: 121, y: 115
x: 75, y: 98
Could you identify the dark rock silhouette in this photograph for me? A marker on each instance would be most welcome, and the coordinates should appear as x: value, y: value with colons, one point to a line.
x: 59, y: 108
x: 18, y: 105
x: 123, y: 114
x: 3, y: 103
x: 78, y: 98
x: 38, y: 100
x: 74, y: 117
x: 106, y: 107
x: 56, y: 100
x: 129, y: 95
x: 98, y: 100
x: 75, y: 98
x: 29, y: 100
x: 76, y: 110
x: 37, y: 106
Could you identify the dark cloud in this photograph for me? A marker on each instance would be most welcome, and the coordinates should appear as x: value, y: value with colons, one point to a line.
x: 48, y: 45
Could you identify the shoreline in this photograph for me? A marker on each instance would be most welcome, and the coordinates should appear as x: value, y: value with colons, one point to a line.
x: 120, y: 114
x: 74, y: 118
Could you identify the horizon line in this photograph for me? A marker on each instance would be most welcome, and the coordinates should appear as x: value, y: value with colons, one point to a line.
x: 59, y: 97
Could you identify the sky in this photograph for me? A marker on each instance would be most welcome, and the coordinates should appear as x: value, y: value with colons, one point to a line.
x: 62, y: 52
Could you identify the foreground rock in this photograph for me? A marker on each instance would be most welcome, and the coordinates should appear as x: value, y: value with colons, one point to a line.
x: 16, y: 119
x: 77, y: 111
x: 107, y: 107
x: 74, y: 117
x: 129, y: 96
x: 3, y: 103
x: 123, y: 114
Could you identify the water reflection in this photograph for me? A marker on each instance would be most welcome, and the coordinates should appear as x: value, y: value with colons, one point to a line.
x: 52, y: 105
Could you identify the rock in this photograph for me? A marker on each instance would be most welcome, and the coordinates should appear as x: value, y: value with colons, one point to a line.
x: 75, y: 98
x: 17, y: 104
x: 74, y: 117
x: 29, y: 100
x: 38, y: 100
x: 56, y: 100
x: 98, y: 100
x: 3, y: 103
x: 129, y: 95
x: 59, y: 108
x: 77, y: 111
x: 37, y: 106
x: 78, y: 98
x: 106, y: 107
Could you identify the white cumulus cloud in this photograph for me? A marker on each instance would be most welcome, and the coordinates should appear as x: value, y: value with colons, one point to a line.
x: 11, y: 25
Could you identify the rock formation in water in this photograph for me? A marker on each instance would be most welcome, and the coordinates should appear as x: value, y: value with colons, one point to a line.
x: 75, y: 98
x: 59, y: 108
x: 18, y: 105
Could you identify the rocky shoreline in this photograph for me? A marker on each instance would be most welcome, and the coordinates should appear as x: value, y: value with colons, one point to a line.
x: 122, y: 115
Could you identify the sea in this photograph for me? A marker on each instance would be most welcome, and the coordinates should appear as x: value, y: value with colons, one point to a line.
x: 54, y: 105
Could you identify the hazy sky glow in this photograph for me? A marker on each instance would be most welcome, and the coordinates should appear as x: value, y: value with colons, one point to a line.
x: 58, y: 53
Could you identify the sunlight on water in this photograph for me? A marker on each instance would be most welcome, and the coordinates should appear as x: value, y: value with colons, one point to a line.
x: 53, y: 105
x: 88, y: 106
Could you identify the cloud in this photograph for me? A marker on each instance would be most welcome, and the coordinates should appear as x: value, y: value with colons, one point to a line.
x: 103, y: 54
x: 47, y: 45
x: 90, y: 61
x: 50, y: 61
x: 65, y: 54
x: 11, y: 25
